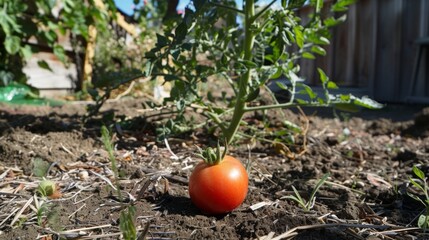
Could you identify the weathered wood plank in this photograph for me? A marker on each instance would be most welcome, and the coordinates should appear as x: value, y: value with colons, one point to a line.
x: 412, y: 16
x: 366, y: 44
x: 388, y: 50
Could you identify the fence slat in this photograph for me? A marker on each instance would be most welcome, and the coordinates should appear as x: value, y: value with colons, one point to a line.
x: 374, y: 49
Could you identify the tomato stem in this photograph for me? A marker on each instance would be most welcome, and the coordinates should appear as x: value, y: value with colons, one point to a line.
x: 240, y: 104
x: 213, y: 156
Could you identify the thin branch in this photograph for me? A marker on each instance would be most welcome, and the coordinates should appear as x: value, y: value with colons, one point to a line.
x: 263, y: 11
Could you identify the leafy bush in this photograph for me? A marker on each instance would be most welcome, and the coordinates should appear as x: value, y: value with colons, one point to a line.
x: 44, y: 21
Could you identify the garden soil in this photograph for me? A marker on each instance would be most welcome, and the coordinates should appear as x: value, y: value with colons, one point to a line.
x: 369, y: 156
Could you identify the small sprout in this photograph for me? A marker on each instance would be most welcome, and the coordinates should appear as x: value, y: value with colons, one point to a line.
x: 40, y: 167
x: 48, y: 188
x: 307, y: 205
x: 420, y: 183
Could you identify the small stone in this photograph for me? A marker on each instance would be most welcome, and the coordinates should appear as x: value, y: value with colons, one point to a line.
x: 83, y: 175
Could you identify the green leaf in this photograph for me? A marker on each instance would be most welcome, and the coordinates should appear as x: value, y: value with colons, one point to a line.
x: 248, y: 64
x: 292, y: 4
x: 368, y: 103
x: 347, y: 107
x: 40, y: 167
x: 162, y: 41
x: 181, y: 32
x: 342, y: 5
x: 299, y: 37
x: 253, y: 95
x: 417, y: 185
x: 332, y: 22
x: 12, y: 44
x: 419, y: 173
x: 423, y: 221
x: 43, y: 64
x: 308, y: 55
x: 331, y: 85
x: 309, y: 91
x: 324, y: 40
x: 277, y: 74
x: 293, y: 77
x: 26, y: 52
x: 318, y: 185
x: 281, y: 85
x: 319, y: 50
x: 322, y: 75
x: 60, y: 53
x: 292, y: 126
x: 268, y: 72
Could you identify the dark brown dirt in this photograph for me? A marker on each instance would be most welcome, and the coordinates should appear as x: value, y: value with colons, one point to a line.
x: 369, y: 156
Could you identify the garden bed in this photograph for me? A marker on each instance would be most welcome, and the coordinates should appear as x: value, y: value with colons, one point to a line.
x: 369, y: 156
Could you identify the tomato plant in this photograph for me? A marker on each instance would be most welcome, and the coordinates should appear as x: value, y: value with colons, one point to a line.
x: 244, y: 48
x: 218, y: 185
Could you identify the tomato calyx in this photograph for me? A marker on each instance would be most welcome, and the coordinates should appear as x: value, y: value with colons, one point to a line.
x: 212, y: 156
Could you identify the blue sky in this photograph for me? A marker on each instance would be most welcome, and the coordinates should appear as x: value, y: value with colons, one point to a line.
x: 127, y: 5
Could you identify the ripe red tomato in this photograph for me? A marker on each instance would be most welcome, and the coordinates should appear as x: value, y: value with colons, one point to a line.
x: 218, y: 188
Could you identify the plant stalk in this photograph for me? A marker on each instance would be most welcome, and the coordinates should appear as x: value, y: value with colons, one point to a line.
x: 240, y: 104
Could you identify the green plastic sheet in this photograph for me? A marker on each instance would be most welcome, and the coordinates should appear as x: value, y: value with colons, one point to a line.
x: 16, y: 93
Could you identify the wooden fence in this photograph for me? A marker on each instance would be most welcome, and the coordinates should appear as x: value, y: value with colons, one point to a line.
x: 375, y: 49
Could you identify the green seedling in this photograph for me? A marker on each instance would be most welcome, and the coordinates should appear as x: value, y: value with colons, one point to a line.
x: 126, y: 219
x: 108, y: 144
x: 421, y: 184
x: 40, y: 167
x: 47, y: 214
x: 307, y: 205
x: 46, y: 188
x: 127, y: 224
